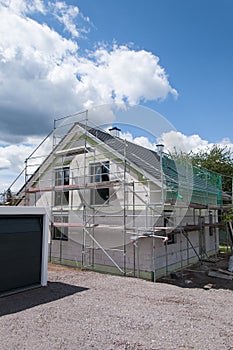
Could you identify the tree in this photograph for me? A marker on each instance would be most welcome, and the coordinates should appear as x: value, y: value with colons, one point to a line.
x: 217, y: 159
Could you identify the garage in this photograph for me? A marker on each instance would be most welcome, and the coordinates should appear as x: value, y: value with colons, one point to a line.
x: 23, y: 248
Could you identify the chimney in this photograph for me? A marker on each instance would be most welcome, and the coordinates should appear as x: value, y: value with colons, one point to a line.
x: 115, y: 131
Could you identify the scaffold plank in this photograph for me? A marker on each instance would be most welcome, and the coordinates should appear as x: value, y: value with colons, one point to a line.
x: 91, y: 185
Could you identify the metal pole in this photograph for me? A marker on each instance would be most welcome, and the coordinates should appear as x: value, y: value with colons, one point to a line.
x: 52, y: 190
x: 160, y: 148
x: 134, y: 244
x: 166, y: 257
x: 154, y: 260
x: 187, y: 250
x: 84, y: 200
x: 138, y: 266
x: 25, y: 179
x: 124, y: 212
x: 181, y: 253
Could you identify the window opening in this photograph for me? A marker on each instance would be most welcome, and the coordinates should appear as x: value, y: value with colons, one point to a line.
x: 62, y: 178
x: 168, y: 222
x: 100, y: 173
x: 60, y: 233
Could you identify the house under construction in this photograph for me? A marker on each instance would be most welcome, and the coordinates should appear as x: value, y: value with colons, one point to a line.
x: 118, y: 207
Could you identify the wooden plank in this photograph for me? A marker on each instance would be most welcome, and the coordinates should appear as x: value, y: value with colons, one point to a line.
x: 91, y: 185
x: 220, y: 275
x: 67, y: 224
x: 226, y: 272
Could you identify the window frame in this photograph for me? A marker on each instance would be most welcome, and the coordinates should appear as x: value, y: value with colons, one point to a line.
x: 61, y: 178
x: 60, y: 233
x: 100, y: 172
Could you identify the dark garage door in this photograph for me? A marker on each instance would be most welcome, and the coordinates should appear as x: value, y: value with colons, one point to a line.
x: 20, y: 252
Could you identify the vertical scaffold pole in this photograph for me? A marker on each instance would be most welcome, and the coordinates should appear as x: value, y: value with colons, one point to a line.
x: 154, y: 260
x: 160, y: 148
x: 25, y: 181
x: 52, y: 190
x: 84, y: 198
x: 124, y: 211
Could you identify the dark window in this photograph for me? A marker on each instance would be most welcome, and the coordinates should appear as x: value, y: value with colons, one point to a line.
x: 99, y: 173
x: 62, y: 178
x: 60, y: 232
x: 220, y: 216
x: 168, y: 222
x: 211, y: 228
x: 171, y: 238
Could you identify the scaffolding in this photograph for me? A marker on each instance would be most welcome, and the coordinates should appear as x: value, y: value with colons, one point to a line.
x: 100, y: 209
x: 110, y: 207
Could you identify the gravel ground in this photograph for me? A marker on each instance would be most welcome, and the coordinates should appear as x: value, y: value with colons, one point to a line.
x: 87, y: 310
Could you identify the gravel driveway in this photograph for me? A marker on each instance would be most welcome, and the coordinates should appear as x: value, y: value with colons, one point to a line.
x: 87, y: 310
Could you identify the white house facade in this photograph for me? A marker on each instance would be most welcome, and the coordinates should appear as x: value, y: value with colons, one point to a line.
x: 121, y: 208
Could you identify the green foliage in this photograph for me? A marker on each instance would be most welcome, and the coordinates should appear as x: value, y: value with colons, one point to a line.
x: 228, y: 215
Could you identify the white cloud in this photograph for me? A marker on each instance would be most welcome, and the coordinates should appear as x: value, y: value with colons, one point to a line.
x: 12, y: 159
x: 66, y: 14
x: 15, y: 156
x: 122, y: 74
x: 139, y: 140
x: 44, y: 76
x: 24, y: 7
x: 4, y: 163
x: 175, y: 140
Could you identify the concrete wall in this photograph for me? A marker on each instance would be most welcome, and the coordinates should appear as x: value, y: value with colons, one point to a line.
x: 146, y: 255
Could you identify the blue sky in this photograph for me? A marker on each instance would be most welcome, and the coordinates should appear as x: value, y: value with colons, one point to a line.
x: 193, y: 40
x: 60, y: 57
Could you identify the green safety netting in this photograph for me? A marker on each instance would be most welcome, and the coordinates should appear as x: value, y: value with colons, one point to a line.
x: 188, y: 183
